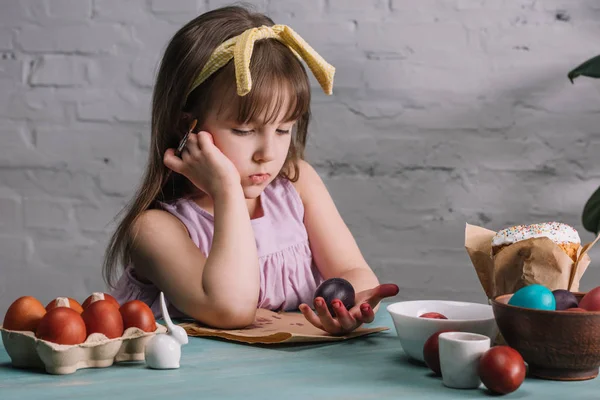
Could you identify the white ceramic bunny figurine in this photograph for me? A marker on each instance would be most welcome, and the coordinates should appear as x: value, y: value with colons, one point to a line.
x: 163, y: 351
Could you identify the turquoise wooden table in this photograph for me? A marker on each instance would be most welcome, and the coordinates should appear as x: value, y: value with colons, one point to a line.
x: 371, y: 367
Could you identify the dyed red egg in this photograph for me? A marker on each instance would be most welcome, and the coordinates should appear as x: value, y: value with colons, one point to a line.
x: 433, y: 315
x: 100, y: 296
x: 591, y: 300
x: 103, y: 317
x: 65, y: 302
x: 24, y: 314
x: 431, y: 352
x: 137, y: 314
x: 502, y: 369
x: 62, y: 325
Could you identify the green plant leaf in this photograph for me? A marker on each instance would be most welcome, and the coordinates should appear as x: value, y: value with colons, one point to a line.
x: 591, y: 213
x: 590, y: 68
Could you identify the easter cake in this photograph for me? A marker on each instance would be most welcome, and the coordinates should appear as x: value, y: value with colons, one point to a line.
x: 565, y: 236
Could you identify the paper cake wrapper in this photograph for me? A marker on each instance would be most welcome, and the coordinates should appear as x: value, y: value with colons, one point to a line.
x: 274, y: 328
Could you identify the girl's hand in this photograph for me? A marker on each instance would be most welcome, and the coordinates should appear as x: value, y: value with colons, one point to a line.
x: 346, y: 321
x: 203, y: 164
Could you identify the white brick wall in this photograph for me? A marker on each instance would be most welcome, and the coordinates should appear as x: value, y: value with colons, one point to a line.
x: 445, y: 112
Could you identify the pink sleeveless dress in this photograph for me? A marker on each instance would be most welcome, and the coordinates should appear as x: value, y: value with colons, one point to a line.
x: 288, y: 275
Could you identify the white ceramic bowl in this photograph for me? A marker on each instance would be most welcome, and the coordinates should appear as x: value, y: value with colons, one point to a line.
x: 413, y: 331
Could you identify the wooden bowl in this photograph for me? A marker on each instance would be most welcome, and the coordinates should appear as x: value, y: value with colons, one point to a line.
x: 556, y: 345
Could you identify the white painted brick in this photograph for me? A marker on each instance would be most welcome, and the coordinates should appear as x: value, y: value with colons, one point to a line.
x: 60, y: 183
x: 11, y: 70
x: 83, y: 39
x: 413, y: 38
x: 90, y: 149
x: 14, y: 12
x: 11, y: 214
x: 77, y: 256
x: 6, y: 35
x: 401, y: 75
x: 74, y: 10
x: 109, y: 71
x: 154, y: 36
x: 96, y: 218
x: 255, y: 5
x: 143, y: 71
x: 296, y: 9
x: 327, y: 34
x: 176, y: 6
x: 14, y: 249
x: 121, y: 11
x: 39, y: 104
x: 51, y: 214
x: 108, y: 105
x: 358, y: 9
x: 17, y: 150
x: 59, y: 71
x: 117, y: 182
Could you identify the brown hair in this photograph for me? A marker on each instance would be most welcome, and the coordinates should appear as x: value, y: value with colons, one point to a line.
x: 275, y: 71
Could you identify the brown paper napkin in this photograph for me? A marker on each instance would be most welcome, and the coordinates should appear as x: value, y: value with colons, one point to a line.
x: 272, y: 328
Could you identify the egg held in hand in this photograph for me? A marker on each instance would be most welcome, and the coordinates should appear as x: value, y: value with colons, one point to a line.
x: 336, y: 288
x: 100, y: 296
x: 62, y: 325
x: 534, y: 296
x: 103, y: 317
x: 65, y: 302
x: 502, y: 369
x: 137, y: 314
x: 24, y: 314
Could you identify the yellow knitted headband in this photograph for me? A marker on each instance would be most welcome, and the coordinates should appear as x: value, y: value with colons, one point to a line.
x: 240, y: 49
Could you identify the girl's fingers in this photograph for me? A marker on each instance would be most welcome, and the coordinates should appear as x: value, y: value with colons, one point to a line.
x: 329, y: 324
x: 367, y: 313
x: 345, y: 319
x: 205, y: 140
x: 381, y: 292
x: 192, y: 146
x: 173, y: 162
x: 310, y: 316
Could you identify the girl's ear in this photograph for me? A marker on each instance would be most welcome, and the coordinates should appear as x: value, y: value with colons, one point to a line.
x: 185, y: 122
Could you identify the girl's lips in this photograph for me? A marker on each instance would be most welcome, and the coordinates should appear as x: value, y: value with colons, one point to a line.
x: 259, y: 178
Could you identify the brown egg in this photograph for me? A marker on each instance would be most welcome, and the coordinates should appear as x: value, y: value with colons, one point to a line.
x: 137, y: 313
x: 24, y: 314
x: 502, y: 369
x: 100, y: 296
x: 62, y: 325
x: 102, y: 316
x: 65, y: 302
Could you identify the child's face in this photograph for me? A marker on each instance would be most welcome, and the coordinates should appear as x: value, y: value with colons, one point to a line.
x: 258, y: 150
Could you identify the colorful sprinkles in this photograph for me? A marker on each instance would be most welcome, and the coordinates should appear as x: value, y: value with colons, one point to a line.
x: 556, y: 231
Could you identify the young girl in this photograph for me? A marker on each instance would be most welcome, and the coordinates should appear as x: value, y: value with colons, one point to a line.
x: 229, y: 217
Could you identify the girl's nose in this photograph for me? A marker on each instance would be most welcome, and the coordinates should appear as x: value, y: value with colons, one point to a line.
x: 266, y: 150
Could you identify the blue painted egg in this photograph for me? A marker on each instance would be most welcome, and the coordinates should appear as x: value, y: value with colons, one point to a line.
x: 534, y: 296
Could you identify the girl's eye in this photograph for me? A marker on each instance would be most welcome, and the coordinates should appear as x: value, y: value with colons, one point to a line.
x: 241, y: 132
x: 283, y: 131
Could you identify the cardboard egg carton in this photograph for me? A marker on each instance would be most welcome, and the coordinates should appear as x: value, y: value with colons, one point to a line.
x: 98, y: 351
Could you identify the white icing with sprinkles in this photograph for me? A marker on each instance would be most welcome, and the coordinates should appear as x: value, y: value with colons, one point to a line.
x: 556, y: 231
